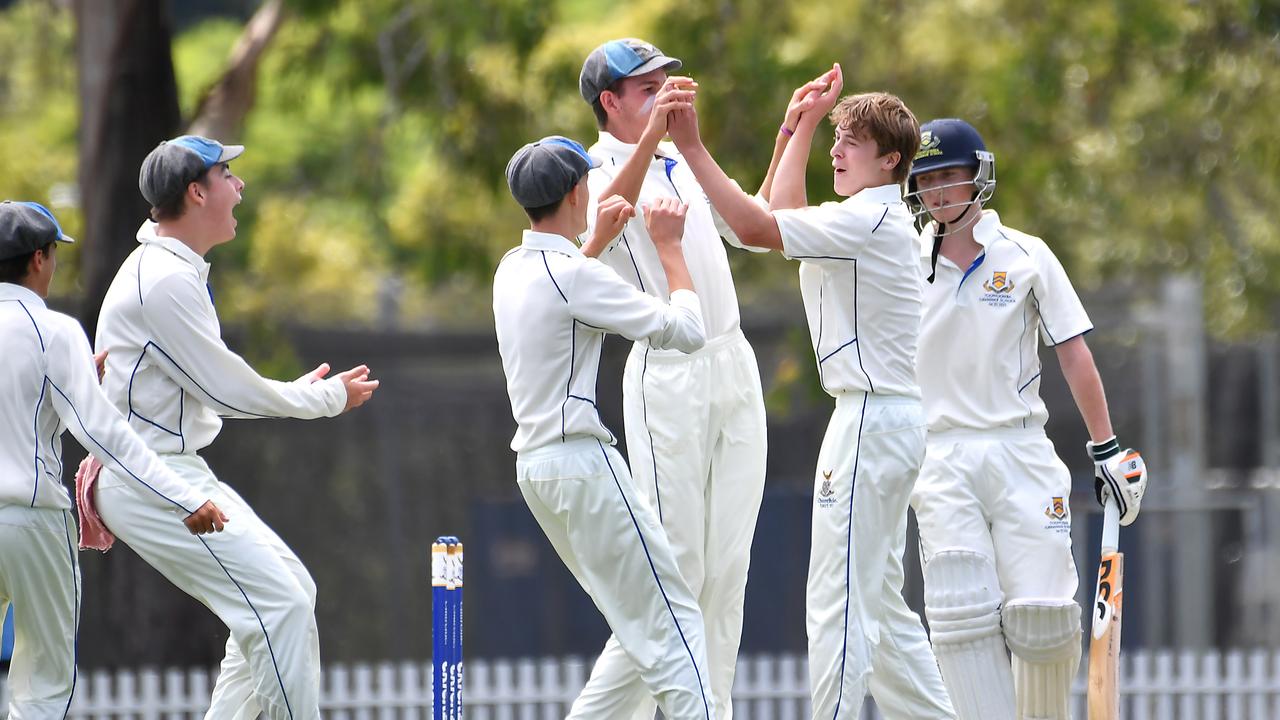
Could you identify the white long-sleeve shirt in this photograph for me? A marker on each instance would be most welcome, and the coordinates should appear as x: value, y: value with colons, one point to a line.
x: 860, y: 279
x: 552, y: 307
x: 632, y: 254
x: 168, y: 369
x: 48, y: 384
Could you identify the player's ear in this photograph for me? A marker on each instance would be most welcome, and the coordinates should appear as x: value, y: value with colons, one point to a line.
x: 890, y: 160
x: 609, y: 101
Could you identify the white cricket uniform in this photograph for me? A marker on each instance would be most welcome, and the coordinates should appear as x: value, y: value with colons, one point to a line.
x: 175, y: 379
x: 991, y: 484
x: 49, y: 385
x: 552, y: 307
x: 860, y: 280
x: 695, y: 429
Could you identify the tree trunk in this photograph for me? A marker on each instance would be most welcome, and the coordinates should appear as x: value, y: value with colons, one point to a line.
x: 128, y: 104
x: 222, y: 111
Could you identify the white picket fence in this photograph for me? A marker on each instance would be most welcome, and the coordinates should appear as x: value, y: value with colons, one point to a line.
x: 1156, y: 686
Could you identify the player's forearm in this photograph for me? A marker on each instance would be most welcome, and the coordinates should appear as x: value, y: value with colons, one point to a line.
x: 630, y: 179
x: 788, y: 190
x: 594, y: 247
x: 671, y: 255
x: 1082, y: 377
x: 779, y: 145
x: 752, y: 224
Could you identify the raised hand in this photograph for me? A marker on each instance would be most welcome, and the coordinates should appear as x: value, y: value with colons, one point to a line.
x: 206, y: 519
x: 358, y: 385
x: 677, y: 93
x: 833, y: 81
x: 682, y: 128
x: 806, y: 96
x: 664, y: 219
x: 611, y: 216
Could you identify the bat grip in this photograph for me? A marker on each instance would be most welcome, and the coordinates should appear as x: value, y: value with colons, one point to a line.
x: 1110, y: 526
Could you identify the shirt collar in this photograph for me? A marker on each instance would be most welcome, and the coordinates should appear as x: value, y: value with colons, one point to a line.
x: 883, y: 194
x: 147, y: 235
x: 534, y: 240
x: 610, y: 145
x: 10, y: 291
x: 985, y: 232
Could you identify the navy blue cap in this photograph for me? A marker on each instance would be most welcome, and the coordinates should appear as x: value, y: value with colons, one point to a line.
x: 543, y: 172
x: 946, y: 143
x: 26, y: 227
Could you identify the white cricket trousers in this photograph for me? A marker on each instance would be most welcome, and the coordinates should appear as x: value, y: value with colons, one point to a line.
x: 246, y: 575
x: 862, y: 635
x: 1006, y: 495
x: 40, y: 576
x: 582, y: 496
x: 696, y: 439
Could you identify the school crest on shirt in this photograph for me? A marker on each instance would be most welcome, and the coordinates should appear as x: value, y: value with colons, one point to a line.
x: 999, y: 289
x: 826, y: 493
x: 1058, y: 513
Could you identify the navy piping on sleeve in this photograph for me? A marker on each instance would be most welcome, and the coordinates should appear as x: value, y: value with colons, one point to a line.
x: 653, y: 568
x: 568, y: 385
x: 195, y: 382
x: 108, y: 453
x: 822, y: 257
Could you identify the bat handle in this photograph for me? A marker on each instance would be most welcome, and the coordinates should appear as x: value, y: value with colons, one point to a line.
x: 1110, y: 526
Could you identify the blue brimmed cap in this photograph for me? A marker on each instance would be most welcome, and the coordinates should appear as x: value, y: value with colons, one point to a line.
x: 174, y: 164
x: 26, y: 227
x: 619, y: 59
x: 543, y: 172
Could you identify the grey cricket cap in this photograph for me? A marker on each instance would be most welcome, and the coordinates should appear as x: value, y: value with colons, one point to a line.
x: 174, y: 164
x: 619, y: 59
x: 26, y: 227
x: 543, y: 172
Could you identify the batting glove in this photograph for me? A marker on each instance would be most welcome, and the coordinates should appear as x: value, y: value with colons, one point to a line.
x: 1120, y: 475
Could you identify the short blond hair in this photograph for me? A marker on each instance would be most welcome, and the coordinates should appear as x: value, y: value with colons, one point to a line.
x: 885, y: 119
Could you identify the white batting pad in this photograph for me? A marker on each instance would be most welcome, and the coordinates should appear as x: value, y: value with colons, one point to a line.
x: 1044, y: 636
x: 962, y: 601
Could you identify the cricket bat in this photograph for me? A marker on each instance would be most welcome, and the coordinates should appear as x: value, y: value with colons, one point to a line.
x: 1104, y: 646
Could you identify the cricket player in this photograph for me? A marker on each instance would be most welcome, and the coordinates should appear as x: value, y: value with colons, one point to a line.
x: 992, y: 499
x: 861, y: 287
x: 695, y: 423
x: 552, y: 307
x: 171, y: 374
x: 48, y: 384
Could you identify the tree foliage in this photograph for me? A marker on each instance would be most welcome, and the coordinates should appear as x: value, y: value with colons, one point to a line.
x: 1135, y: 137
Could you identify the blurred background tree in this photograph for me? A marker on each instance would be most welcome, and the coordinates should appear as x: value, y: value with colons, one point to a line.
x: 1134, y: 137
